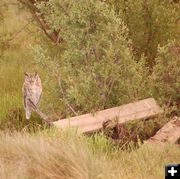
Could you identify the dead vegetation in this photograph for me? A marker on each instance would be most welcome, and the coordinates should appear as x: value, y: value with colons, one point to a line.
x: 68, y: 156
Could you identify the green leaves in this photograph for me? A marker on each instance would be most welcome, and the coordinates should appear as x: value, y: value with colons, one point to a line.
x: 98, y: 66
x: 166, y: 73
x: 107, y: 53
x: 150, y: 23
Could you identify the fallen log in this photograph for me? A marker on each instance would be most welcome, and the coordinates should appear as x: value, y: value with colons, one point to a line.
x: 89, y: 123
x: 169, y: 133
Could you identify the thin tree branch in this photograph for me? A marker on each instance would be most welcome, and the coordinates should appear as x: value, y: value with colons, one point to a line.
x: 20, y: 30
x: 43, y: 116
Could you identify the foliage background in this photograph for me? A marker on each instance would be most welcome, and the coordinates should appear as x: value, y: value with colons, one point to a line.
x: 91, y: 55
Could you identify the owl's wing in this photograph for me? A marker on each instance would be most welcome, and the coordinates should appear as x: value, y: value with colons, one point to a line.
x: 28, y: 112
x: 36, y: 94
x: 24, y: 93
x: 26, y: 104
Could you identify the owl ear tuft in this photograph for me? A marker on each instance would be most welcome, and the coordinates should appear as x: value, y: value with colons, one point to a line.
x: 35, y: 74
x: 26, y: 74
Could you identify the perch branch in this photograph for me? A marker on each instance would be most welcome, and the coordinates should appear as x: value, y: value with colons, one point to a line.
x: 43, y: 116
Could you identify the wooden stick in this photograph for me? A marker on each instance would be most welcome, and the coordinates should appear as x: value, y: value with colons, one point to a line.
x: 43, y: 116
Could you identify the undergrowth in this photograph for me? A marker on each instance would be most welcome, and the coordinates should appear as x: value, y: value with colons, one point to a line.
x: 66, y: 155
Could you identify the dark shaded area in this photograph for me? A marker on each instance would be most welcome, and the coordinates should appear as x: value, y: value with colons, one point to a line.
x: 15, y: 121
x: 133, y: 132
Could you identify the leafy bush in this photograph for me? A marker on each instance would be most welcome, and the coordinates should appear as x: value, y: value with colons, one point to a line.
x: 166, y: 73
x: 97, y: 69
x: 150, y: 23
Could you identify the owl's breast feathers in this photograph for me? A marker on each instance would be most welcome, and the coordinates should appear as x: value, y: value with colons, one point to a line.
x: 32, y: 92
x: 36, y: 94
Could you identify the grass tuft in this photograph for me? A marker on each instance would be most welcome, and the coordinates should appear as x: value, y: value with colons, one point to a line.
x: 53, y: 155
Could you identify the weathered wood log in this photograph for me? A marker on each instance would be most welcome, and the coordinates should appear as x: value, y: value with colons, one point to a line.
x: 169, y: 133
x: 89, y: 123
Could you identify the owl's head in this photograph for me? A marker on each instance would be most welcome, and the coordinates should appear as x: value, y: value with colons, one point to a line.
x: 31, y: 78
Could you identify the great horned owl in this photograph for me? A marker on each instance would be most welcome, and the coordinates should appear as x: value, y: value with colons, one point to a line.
x: 31, y: 90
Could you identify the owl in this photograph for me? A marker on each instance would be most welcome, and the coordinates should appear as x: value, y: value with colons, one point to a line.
x: 31, y: 90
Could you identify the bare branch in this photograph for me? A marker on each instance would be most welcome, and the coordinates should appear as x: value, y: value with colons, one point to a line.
x: 43, y: 116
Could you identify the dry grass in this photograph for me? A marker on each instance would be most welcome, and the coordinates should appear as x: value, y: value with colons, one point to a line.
x: 65, y: 156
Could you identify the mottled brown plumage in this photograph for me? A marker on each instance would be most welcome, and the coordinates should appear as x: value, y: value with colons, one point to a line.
x: 31, y: 90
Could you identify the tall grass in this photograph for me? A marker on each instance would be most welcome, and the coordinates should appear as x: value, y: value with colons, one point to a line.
x: 68, y: 156
x: 12, y: 68
x: 11, y: 82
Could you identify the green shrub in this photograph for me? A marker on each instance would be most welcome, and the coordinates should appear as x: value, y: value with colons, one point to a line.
x: 96, y: 68
x: 150, y: 23
x: 166, y: 74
